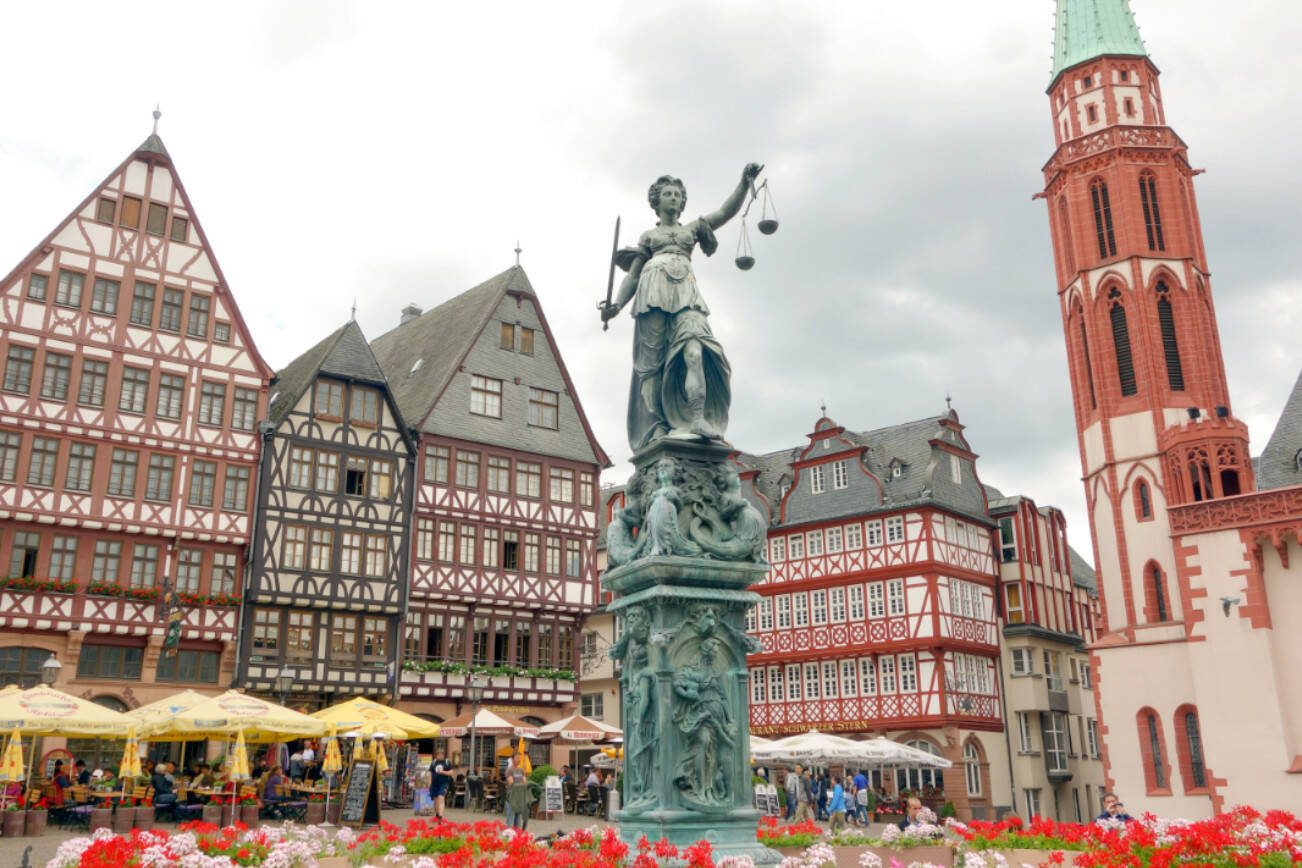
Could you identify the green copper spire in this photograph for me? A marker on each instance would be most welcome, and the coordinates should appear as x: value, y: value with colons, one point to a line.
x: 1085, y: 29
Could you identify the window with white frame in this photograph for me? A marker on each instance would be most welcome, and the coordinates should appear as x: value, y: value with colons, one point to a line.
x: 766, y: 613
x: 1055, y: 741
x: 1025, y: 743
x: 895, y: 529
x: 874, y: 532
x: 856, y: 603
x: 972, y: 769
x: 796, y: 547
x: 757, y: 692
x: 908, y: 667
x: 955, y: 470
x: 833, y: 540
x: 1086, y: 680
x: 831, y: 680
x: 752, y: 619
x: 775, y: 684
x: 840, y: 475
x: 817, y: 482
x: 895, y: 596
x: 867, y: 676
x: 814, y: 543
x: 800, y: 609
x: 793, y: 682
x: 886, y: 671
x: 1053, y: 670
x: 1033, y: 805
x: 777, y: 549
x: 836, y: 605
x: 853, y: 537
x: 1092, y: 736
x: 784, y: 612
x: 849, y: 679
x: 811, y: 681
x: 877, y: 600
x: 818, y: 606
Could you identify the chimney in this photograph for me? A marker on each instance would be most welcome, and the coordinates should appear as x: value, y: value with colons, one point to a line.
x: 409, y: 313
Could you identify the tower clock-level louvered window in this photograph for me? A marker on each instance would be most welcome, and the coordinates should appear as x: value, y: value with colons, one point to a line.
x: 1170, y: 347
x: 1121, y: 344
x: 1152, y: 216
x: 1107, y: 240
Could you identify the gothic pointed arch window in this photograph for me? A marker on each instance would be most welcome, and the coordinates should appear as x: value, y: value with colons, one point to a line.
x: 1189, y: 749
x: 1170, y: 346
x: 1143, y: 501
x: 1064, y: 232
x: 1107, y: 240
x: 1078, y: 334
x: 1152, y: 216
x: 1121, y: 345
x: 1156, y: 609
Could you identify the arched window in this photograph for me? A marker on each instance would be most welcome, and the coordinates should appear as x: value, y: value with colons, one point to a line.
x: 1083, y: 350
x: 972, y: 768
x: 1152, y: 747
x: 1064, y: 232
x: 916, y: 780
x: 1155, y: 593
x: 1143, y: 501
x: 1103, y: 219
x: 1189, y: 745
x: 1121, y: 344
x: 1152, y: 216
x: 1170, y: 347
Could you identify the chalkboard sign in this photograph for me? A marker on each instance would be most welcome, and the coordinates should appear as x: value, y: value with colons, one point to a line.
x: 553, y: 795
x: 761, y: 800
x: 361, y: 804
x: 771, y: 800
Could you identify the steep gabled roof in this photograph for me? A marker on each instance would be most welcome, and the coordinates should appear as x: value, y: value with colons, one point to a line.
x: 1082, y: 574
x: 421, y: 356
x: 1278, y: 466
x: 344, y: 353
x: 1086, y: 29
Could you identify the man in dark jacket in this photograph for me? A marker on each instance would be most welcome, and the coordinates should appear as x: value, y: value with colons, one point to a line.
x: 164, y: 785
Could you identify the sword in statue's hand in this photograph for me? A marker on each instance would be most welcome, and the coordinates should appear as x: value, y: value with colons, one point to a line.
x: 610, y: 283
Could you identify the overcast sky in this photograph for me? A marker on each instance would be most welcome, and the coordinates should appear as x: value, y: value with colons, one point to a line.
x: 394, y: 153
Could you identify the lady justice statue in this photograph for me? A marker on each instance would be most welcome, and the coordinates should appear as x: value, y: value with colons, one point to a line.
x: 680, y: 386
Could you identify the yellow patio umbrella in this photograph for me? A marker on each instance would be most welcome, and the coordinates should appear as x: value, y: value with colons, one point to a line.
x: 130, y: 767
x: 162, y: 709
x: 378, y: 754
x: 359, y: 747
x: 257, y: 721
x: 11, y: 764
x: 45, y: 711
x: 370, y: 716
x: 332, y: 763
x: 238, y: 761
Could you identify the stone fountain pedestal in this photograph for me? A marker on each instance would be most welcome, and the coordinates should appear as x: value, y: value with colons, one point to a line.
x: 684, y: 687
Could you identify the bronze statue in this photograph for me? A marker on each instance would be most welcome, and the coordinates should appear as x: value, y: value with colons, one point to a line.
x: 681, y: 379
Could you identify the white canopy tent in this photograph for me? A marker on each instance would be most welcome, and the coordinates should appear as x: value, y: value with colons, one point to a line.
x: 824, y: 749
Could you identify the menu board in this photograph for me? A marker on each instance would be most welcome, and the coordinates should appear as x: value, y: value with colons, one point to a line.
x: 360, y: 805
x: 553, y: 795
x: 766, y: 800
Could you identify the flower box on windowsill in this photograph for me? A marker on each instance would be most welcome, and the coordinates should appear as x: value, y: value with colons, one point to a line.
x: 26, y: 584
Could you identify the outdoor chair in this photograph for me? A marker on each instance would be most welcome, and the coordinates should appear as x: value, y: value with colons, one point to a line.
x: 581, y: 800
x: 458, y: 796
x: 569, y: 798
x: 490, y: 797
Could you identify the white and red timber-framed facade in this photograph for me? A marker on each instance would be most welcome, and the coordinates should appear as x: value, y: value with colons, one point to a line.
x: 327, y: 584
x: 504, y: 519
x: 128, y: 446
x: 1198, y: 686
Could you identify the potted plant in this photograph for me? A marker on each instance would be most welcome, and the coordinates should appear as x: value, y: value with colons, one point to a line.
x: 37, y: 817
x: 101, y: 816
x: 124, y: 818
x: 212, y: 811
x: 316, y: 809
x: 14, y: 820
x: 248, y: 803
x: 144, y: 814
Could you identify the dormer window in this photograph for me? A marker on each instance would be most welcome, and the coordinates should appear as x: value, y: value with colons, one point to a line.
x: 897, y: 469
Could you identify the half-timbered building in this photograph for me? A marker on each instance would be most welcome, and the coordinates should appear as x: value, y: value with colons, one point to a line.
x: 128, y: 447
x: 505, y: 514
x: 328, y: 581
x: 1050, y: 611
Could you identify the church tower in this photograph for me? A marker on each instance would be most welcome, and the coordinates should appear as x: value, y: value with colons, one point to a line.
x: 1153, y: 411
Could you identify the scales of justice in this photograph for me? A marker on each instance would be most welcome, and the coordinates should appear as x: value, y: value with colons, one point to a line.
x: 686, y: 545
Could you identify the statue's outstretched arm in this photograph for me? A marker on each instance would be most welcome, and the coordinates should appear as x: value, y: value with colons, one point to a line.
x: 732, y: 204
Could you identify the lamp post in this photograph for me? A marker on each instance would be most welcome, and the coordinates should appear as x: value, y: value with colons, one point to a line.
x: 475, y: 691
x: 50, y: 670
x: 284, y: 681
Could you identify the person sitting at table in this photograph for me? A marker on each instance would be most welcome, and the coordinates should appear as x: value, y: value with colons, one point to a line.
x: 81, y: 774
x: 312, y: 773
x: 270, y: 787
x: 202, y: 780
x: 164, y: 785
x: 107, y: 779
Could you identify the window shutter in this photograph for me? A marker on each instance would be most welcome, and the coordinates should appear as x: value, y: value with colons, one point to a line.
x: 1170, y: 348
x: 1121, y: 341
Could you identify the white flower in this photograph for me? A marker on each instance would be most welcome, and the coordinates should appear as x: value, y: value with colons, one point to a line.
x: 869, y: 859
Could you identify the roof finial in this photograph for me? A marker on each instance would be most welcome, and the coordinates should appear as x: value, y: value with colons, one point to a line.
x: 948, y: 401
x: 517, y: 253
x: 157, y: 114
x: 353, y: 316
x: 822, y: 409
